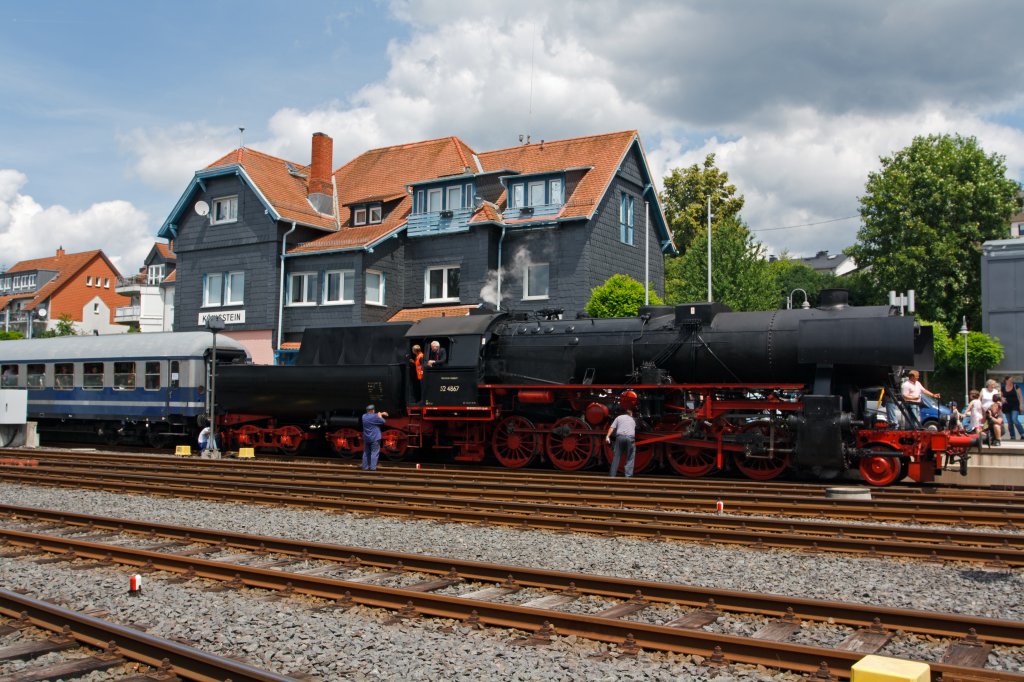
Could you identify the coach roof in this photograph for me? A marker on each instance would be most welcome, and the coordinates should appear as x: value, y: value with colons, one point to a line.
x: 114, y: 347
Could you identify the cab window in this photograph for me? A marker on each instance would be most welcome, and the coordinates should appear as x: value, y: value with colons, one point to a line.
x: 64, y: 376
x: 8, y: 376
x: 124, y: 376
x: 36, y: 376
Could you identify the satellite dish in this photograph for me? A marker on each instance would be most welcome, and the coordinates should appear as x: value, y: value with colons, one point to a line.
x: 202, y: 208
x: 41, y: 312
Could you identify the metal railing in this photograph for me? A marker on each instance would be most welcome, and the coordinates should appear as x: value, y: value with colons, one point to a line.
x: 127, y: 312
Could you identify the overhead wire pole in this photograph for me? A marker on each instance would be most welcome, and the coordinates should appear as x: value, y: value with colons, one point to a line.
x: 647, y: 253
x: 709, y: 248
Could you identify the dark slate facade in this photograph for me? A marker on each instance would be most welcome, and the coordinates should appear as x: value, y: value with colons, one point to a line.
x: 1002, y: 301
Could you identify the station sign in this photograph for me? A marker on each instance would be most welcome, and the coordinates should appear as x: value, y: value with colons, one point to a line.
x: 229, y: 317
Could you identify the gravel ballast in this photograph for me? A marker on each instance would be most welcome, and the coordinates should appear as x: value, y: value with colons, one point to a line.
x: 433, y: 649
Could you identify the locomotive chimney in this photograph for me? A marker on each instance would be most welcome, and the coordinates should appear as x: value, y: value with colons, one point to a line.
x: 833, y: 299
x: 321, y: 191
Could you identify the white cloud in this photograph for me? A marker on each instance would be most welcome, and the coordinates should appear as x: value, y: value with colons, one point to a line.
x: 167, y: 158
x: 28, y: 230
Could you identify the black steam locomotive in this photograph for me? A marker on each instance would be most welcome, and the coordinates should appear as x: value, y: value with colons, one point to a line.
x: 764, y: 393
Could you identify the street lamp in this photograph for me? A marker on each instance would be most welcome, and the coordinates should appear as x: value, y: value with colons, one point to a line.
x: 214, y: 323
x: 963, y: 333
x: 789, y: 300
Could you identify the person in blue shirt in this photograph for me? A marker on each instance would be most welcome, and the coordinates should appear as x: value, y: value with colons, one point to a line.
x: 371, y: 422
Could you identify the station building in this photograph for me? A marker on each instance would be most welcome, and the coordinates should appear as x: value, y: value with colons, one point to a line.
x: 410, y: 231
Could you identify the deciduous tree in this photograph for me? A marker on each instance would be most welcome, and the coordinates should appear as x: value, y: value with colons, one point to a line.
x: 685, y: 200
x: 740, y: 277
x: 926, y: 213
x: 619, y: 296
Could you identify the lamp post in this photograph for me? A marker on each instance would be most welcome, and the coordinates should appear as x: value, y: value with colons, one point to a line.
x: 789, y: 300
x: 214, y: 323
x: 963, y: 332
x: 709, y: 248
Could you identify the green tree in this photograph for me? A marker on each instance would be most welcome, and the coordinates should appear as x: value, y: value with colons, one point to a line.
x: 65, y: 327
x: 926, y: 214
x: 619, y: 296
x: 790, y: 275
x: 741, y: 278
x: 685, y: 200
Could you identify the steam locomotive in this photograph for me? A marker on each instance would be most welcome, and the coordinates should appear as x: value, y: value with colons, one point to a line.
x: 764, y: 393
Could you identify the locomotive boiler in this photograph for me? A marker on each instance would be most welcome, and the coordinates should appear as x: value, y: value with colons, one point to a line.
x: 764, y: 393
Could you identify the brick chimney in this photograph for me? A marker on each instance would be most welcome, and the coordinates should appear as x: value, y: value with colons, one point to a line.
x: 320, y: 189
x: 60, y: 252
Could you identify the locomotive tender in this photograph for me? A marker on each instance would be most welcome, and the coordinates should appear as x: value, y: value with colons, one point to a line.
x: 763, y: 392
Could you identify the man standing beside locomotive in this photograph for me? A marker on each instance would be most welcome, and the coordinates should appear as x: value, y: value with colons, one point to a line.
x: 912, y: 390
x: 624, y: 429
x: 371, y: 422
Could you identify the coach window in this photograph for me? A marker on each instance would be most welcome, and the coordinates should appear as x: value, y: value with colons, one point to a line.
x: 124, y: 376
x: 64, y: 376
x: 8, y: 376
x: 174, y: 374
x: 152, y: 376
x: 36, y: 376
x: 92, y: 376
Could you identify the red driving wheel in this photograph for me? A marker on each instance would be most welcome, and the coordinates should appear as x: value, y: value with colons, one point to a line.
x: 764, y: 466
x: 879, y: 470
x: 691, y: 461
x: 515, y: 442
x: 394, y: 443
x: 571, y: 446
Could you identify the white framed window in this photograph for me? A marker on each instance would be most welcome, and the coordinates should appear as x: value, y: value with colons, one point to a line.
x: 88, y: 280
x: 223, y: 288
x: 225, y: 210
x: 359, y: 216
x: 235, y: 289
x: 420, y: 206
x: 302, y: 288
x: 376, y: 214
x: 442, y: 284
x: 536, y: 281
x: 537, y: 193
x: 375, y: 287
x: 340, y: 286
x: 626, y: 219
x: 213, y: 289
x: 454, y: 197
x: 155, y: 274
x: 95, y: 308
x: 517, y: 194
x: 555, y: 187
x: 434, y: 200
x: 106, y: 282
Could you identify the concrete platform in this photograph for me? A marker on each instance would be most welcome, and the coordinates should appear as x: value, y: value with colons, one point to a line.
x: 997, y: 465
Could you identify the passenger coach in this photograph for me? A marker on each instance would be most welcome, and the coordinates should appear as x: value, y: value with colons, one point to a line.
x: 148, y: 387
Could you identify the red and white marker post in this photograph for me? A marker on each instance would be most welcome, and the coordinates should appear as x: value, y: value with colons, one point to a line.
x: 135, y: 585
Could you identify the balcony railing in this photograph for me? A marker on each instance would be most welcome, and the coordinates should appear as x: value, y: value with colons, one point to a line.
x: 127, y: 313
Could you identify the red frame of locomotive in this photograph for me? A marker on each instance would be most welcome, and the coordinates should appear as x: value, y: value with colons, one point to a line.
x: 693, y: 440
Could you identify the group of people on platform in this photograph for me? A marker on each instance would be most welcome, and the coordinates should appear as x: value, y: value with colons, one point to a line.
x: 995, y: 410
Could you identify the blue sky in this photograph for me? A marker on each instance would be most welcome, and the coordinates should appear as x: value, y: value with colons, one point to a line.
x: 107, y: 107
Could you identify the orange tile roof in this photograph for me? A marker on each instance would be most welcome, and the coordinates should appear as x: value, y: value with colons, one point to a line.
x: 417, y: 314
x: 171, y: 278
x: 291, y: 345
x: 602, y: 153
x: 66, y: 265
x: 286, y: 192
x: 385, y: 172
x: 4, y: 300
x: 165, y: 250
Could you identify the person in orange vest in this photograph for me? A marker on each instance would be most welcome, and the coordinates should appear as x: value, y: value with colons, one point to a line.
x: 417, y: 363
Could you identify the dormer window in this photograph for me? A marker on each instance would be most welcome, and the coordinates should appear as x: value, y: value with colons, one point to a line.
x: 434, y: 198
x: 376, y: 214
x: 527, y: 194
x: 447, y: 197
x: 359, y: 216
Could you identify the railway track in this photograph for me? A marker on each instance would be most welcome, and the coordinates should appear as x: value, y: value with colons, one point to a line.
x: 921, y: 507
x: 115, y: 645
x: 478, y: 594
x: 996, y: 549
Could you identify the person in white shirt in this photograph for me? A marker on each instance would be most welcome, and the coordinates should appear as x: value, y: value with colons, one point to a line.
x: 624, y: 429
x: 978, y: 420
x: 990, y: 391
x: 912, y: 390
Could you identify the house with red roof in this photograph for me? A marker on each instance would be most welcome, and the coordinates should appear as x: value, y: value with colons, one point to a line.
x: 151, y: 292
x: 35, y: 294
x: 410, y: 231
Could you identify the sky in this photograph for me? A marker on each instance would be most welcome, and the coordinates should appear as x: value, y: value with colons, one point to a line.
x: 108, y: 107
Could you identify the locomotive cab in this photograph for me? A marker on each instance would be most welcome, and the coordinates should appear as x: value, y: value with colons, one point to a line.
x: 455, y: 383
